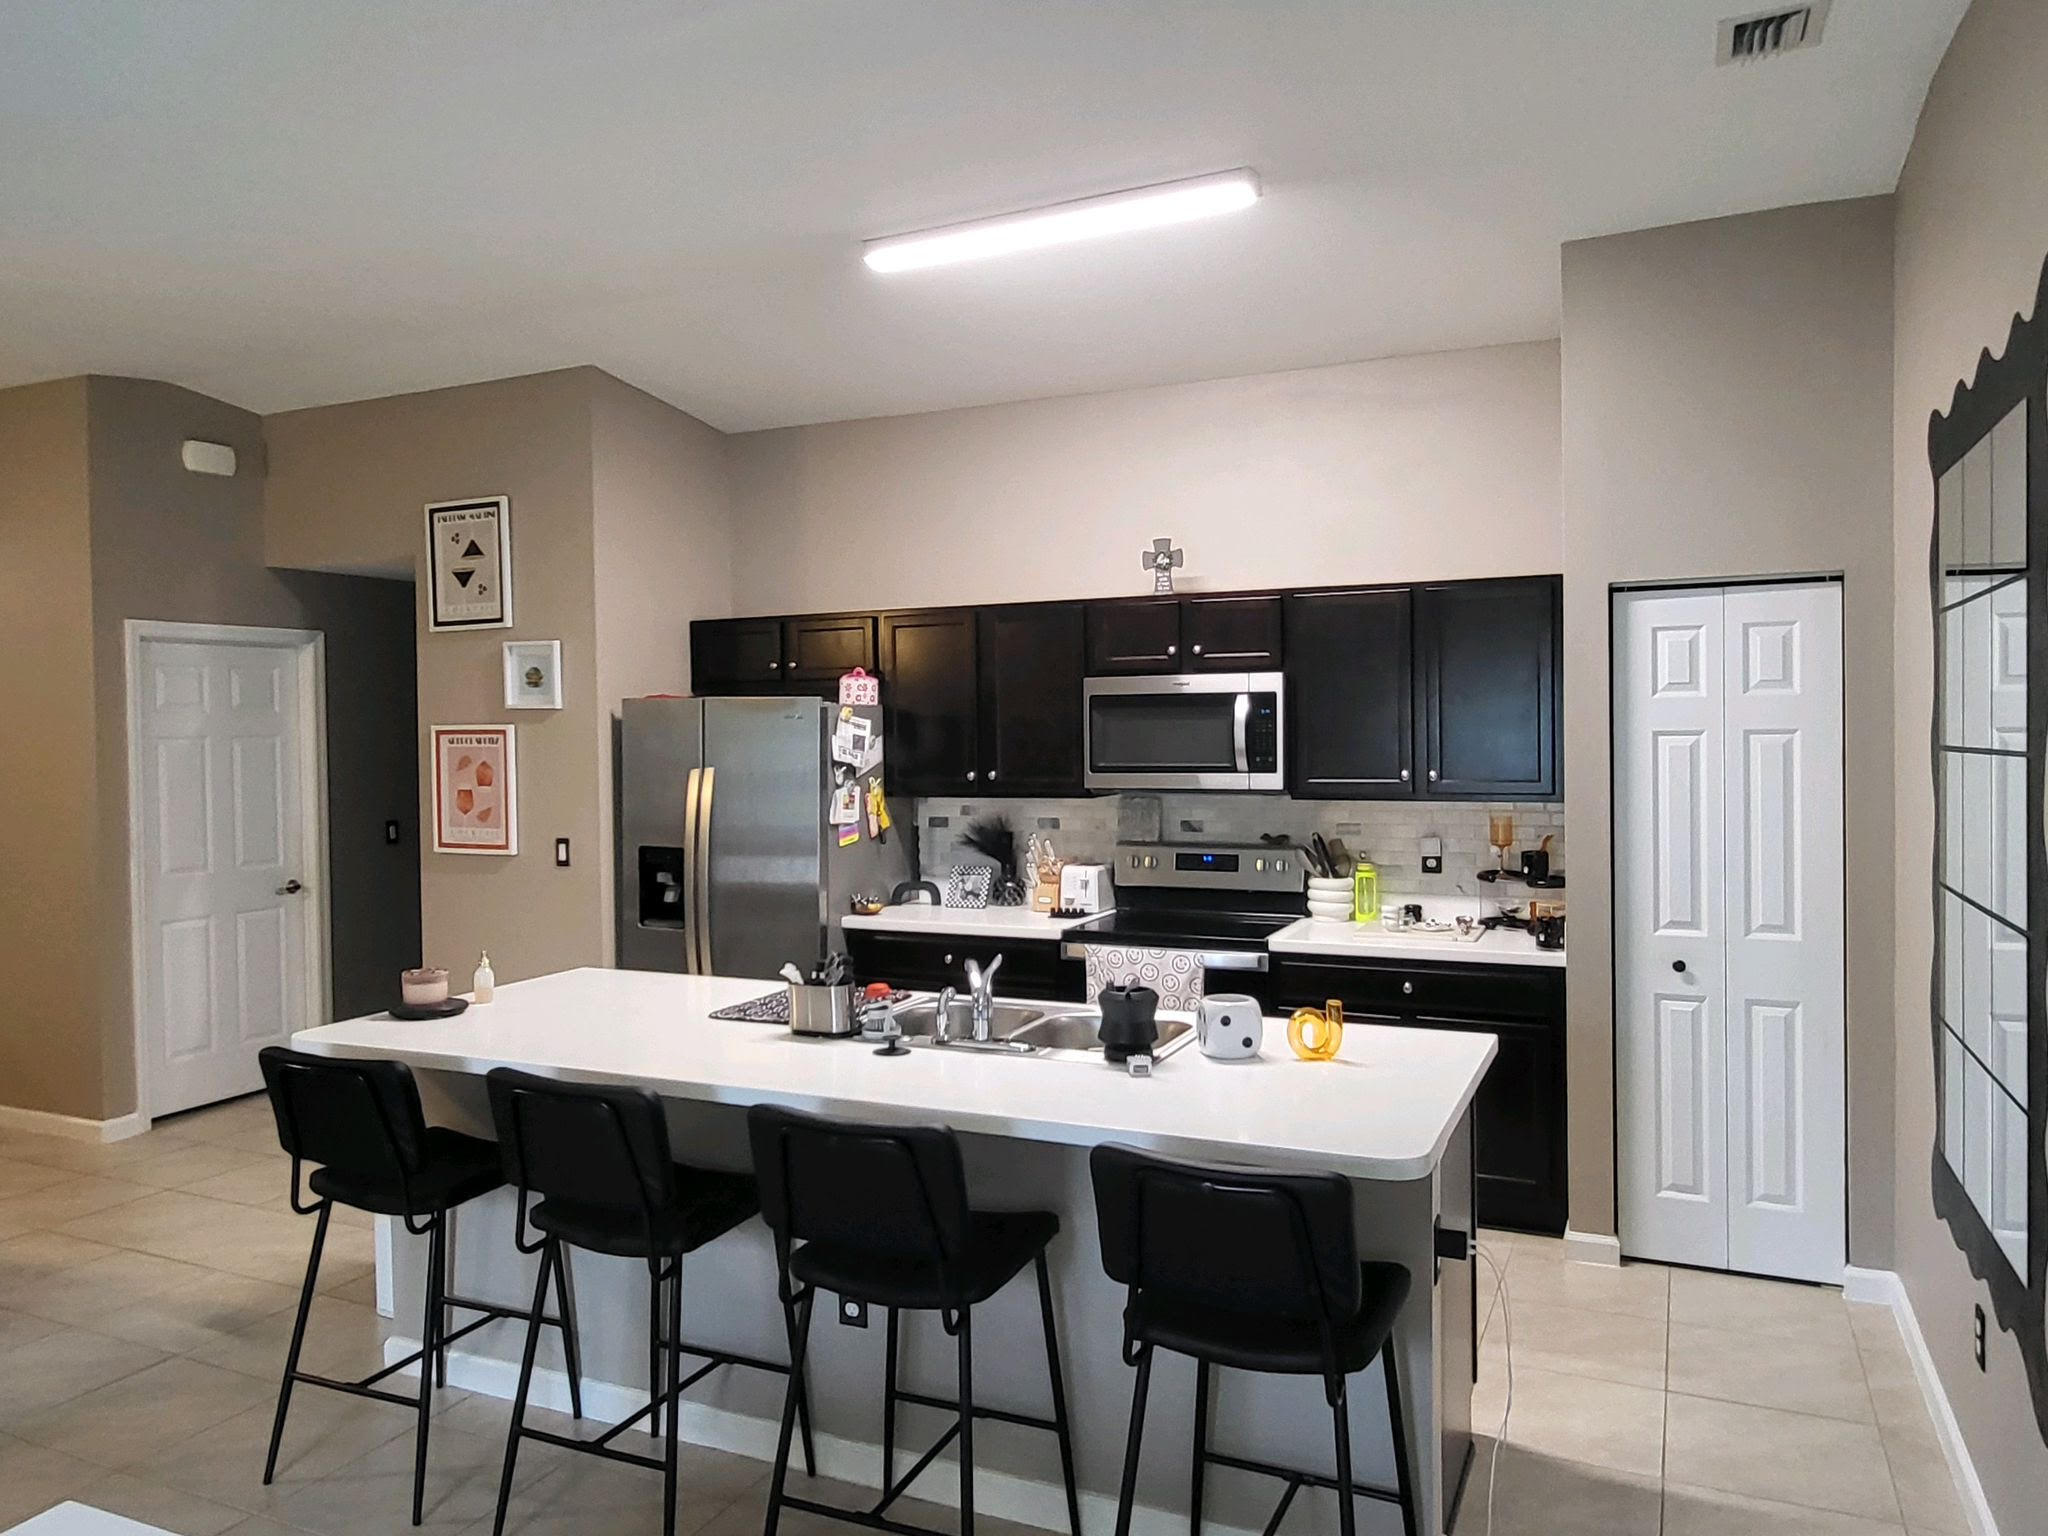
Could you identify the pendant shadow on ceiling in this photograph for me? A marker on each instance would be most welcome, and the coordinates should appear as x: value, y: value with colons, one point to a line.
x: 1988, y: 570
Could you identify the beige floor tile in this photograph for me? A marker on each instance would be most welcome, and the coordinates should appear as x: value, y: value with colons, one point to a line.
x: 33, y: 1478
x: 17, y: 1178
x: 51, y: 1206
x: 324, y: 1433
x: 1811, y: 1373
x: 1742, y: 1304
x: 62, y: 1365
x: 362, y: 1290
x: 588, y: 1497
x: 198, y: 1313
x: 1575, y: 1418
x: 17, y: 1328
x: 1794, y: 1458
x: 160, y: 1505
x: 262, y: 1525
x: 1926, y: 1489
x: 179, y: 1166
x: 374, y: 1493
x: 265, y: 1245
x: 33, y: 1257
x: 1709, y: 1512
x: 1609, y: 1346
x: 1640, y: 1290
x: 263, y: 1182
x: 743, y: 1516
x: 142, y: 1415
x: 343, y: 1339
x: 85, y: 1293
x: 1538, y: 1496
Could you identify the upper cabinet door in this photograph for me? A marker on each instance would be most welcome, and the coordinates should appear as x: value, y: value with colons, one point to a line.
x: 1486, y: 688
x: 1350, y: 695
x: 928, y: 702
x: 1230, y: 634
x: 1031, y: 667
x: 1139, y: 634
x: 822, y: 649
x: 739, y: 656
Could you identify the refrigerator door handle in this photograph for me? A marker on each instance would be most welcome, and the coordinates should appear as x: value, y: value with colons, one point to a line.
x: 692, y: 916
x: 702, y: 894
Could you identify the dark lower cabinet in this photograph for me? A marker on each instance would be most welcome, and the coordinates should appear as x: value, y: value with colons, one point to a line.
x: 1487, y: 692
x: 1029, y: 700
x: 1350, y: 695
x: 926, y: 962
x: 1520, y: 1109
x: 928, y: 702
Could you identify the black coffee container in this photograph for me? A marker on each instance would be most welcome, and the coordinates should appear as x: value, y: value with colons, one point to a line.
x: 1129, y: 1021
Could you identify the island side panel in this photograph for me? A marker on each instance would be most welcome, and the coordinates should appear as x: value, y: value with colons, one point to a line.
x: 729, y: 1300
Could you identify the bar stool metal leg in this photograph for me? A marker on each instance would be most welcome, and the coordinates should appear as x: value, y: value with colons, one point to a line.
x: 803, y: 1401
x: 512, y: 1434
x: 1059, y: 1396
x: 674, y: 1363
x: 654, y: 1346
x: 432, y: 1352
x: 291, y: 1359
x: 1340, y: 1417
x: 966, y: 1421
x: 1201, y: 1447
x: 796, y: 1365
x: 1398, y: 1423
x: 572, y: 1345
x: 1139, y: 1390
x: 442, y: 1317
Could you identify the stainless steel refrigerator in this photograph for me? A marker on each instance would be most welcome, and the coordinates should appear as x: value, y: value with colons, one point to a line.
x: 728, y: 863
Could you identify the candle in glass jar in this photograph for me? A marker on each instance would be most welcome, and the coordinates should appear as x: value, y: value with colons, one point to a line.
x: 426, y: 987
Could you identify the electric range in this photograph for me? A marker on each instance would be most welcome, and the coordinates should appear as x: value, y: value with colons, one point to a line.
x: 1224, y: 900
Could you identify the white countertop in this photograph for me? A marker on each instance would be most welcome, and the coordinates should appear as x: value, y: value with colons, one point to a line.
x: 1385, y: 1109
x: 1369, y: 941
x: 967, y: 922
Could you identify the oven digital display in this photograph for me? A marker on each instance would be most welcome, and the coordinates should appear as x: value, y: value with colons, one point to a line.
x: 1217, y: 863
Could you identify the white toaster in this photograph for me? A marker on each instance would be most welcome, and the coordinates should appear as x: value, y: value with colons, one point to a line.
x: 1229, y: 1026
x: 1086, y: 888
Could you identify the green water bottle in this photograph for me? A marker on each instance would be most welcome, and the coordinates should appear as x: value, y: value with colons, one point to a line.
x: 1365, y: 893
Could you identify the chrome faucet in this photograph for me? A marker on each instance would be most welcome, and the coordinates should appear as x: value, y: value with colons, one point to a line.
x: 942, y: 1023
x: 982, y: 984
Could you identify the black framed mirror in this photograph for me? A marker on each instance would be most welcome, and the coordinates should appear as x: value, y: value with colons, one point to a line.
x: 1988, y: 455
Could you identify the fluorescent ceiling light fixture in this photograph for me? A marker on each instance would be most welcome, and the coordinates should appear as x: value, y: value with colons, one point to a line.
x: 1114, y: 213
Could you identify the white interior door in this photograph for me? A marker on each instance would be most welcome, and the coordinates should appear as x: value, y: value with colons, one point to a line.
x: 1729, y: 1028
x: 1670, y: 950
x: 224, y: 940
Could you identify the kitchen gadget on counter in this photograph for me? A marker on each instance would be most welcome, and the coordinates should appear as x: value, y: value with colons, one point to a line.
x: 1130, y: 1024
x: 1329, y: 898
x: 1316, y: 1034
x: 1086, y: 888
x: 822, y: 1002
x: 1229, y: 1027
x: 1365, y: 893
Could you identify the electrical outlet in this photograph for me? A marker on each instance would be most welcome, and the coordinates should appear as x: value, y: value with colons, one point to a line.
x: 853, y: 1313
x: 561, y: 853
x: 1432, y: 855
x: 1979, y: 1310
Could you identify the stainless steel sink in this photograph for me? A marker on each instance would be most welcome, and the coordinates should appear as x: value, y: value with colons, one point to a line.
x: 1018, y: 1029
x: 1076, y: 1029
x: 919, y: 1021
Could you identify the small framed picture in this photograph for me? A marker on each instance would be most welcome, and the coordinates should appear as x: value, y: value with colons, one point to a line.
x: 476, y: 789
x: 469, y: 564
x: 533, y: 674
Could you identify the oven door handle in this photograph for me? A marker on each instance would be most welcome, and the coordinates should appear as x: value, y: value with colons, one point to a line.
x: 1212, y: 959
x: 1240, y: 712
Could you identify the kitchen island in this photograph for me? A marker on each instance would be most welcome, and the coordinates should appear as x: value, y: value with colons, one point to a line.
x: 1392, y: 1113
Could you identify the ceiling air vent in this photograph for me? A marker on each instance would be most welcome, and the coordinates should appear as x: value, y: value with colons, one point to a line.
x: 1744, y: 39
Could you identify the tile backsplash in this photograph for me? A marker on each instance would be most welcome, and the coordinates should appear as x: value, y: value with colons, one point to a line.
x: 1388, y: 832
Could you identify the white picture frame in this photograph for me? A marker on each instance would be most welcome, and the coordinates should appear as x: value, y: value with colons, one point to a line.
x: 476, y: 789
x: 469, y: 564
x: 533, y: 674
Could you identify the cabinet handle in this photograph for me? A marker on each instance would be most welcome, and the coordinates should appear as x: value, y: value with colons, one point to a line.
x: 991, y: 775
x: 1678, y: 966
x: 1173, y: 650
x: 1404, y: 775
x: 1196, y: 649
x: 949, y: 959
x: 1407, y: 986
x: 1432, y: 775
x: 970, y: 775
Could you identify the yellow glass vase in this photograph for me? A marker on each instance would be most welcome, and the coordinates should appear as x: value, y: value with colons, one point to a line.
x: 1317, y: 1033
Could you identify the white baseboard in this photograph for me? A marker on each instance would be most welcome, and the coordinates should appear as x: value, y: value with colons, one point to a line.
x: 1882, y: 1287
x: 1001, y: 1495
x: 71, y: 1127
x: 1592, y: 1248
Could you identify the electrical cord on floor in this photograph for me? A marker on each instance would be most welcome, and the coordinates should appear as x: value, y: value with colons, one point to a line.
x: 1507, y: 1338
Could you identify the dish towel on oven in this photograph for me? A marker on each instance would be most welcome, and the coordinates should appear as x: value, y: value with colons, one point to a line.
x: 1175, y: 974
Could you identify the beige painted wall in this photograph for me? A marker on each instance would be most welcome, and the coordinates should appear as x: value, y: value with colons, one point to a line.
x: 1405, y: 468
x: 346, y: 490
x: 660, y: 504
x: 1727, y: 413
x: 1972, y: 232
x: 49, y: 938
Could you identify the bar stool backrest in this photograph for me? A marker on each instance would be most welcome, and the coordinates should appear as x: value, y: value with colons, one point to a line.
x: 361, y: 1118
x: 584, y: 1144
x: 1241, y: 1240
x: 892, y: 1191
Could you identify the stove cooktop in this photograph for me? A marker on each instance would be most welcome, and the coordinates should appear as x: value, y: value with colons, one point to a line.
x: 1182, y: 928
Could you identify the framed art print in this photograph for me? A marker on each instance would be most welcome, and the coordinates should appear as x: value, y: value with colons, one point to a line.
x: 476, y: 789
x: 469, y: 564
x: 533, y: 674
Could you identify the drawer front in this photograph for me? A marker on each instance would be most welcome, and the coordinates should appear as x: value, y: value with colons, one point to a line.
x: 1031, y: 967
x: 1484, y: 991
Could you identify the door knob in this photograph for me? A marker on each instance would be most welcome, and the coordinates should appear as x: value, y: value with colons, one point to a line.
x: 290, y: 888
x: 1678, y: 966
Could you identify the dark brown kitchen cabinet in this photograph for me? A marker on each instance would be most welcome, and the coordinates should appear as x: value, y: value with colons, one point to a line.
x: 736, y: 656
x: 1230, y: 634
x: 1135, y: 635
x: 926, y: 962
x: 929, y: 702
x: 1029, y: 700
x: 1487, y: 694
x: 1350, y: 695
x: 823, y: 648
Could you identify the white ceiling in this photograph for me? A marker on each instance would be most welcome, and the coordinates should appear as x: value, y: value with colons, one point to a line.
x: 287, y: 204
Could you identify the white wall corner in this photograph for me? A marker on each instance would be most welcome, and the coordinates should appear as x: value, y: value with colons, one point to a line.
x: 71, y: 1127
x: 1592, y: 1248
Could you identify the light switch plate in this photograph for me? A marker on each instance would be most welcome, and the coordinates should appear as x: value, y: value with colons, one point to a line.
x: 1432, y: 855
x: 561, y: 853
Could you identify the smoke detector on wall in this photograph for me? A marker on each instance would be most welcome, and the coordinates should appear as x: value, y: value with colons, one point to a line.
x: 1765, y: 35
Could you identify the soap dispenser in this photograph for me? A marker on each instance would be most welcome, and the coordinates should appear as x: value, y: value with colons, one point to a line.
x: 486, y: 982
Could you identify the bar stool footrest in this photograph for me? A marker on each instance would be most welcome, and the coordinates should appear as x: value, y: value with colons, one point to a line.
x: 1296, y: 1478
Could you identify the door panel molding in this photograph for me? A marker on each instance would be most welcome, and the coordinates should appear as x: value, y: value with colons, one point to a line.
x: 307, y: 703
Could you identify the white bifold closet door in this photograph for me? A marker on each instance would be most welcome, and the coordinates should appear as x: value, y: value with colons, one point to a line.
x: 1729, y: 1028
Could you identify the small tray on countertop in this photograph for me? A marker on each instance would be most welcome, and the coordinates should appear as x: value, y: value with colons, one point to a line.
x: 416, y: 1013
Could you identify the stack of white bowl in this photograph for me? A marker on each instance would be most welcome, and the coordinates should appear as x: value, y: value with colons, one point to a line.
x: 1329, y: 899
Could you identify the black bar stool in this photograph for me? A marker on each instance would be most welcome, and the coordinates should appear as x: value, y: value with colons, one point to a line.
x: 1256, y: 1271
x: 598, y: 1157
x: 882, y: 1214
x: 361, y: 1121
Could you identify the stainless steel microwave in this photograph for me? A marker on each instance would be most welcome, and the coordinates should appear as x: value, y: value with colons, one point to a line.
x: 1185, y: 730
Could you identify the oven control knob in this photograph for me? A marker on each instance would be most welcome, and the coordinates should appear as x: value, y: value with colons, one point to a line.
x: 1280, y: 866
x: 1259, y: 865
x: 1151, y: 862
